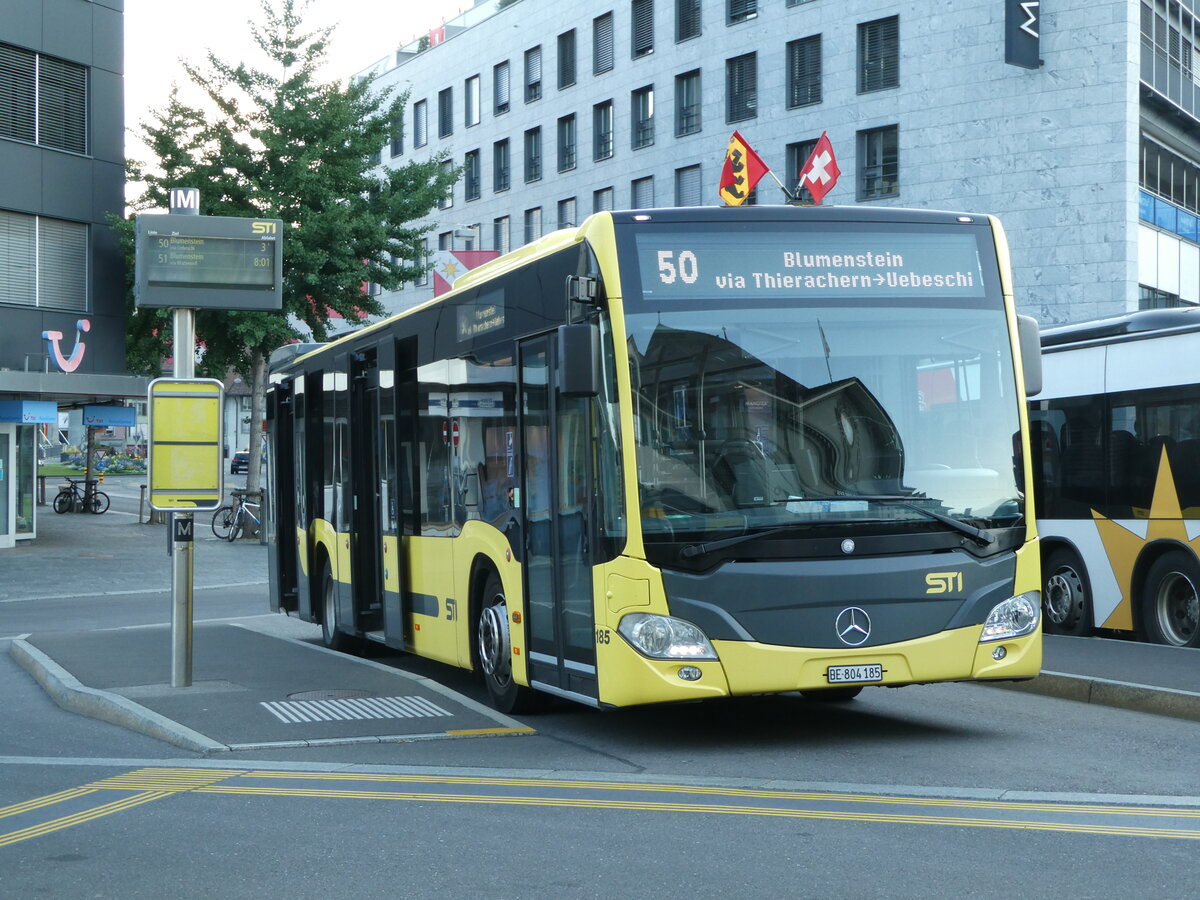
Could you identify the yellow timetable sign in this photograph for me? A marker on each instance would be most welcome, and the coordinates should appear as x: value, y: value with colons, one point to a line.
x: 185, y: 444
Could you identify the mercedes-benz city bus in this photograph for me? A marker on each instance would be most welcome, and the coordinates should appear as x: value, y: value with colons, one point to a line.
x: 678, y: 454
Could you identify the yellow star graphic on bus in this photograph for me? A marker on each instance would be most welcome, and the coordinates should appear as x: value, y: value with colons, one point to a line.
x: 1124, y: 546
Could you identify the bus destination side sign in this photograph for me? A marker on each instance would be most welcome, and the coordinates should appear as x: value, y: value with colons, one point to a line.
x: 210, y: 262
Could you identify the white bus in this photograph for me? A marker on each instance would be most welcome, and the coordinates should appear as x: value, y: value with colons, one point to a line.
x: 1116, y: 454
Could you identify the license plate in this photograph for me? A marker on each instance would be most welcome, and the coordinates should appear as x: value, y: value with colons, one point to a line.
x: 854, y: 674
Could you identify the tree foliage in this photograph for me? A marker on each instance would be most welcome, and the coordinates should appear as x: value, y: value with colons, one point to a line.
x: 277, y: 142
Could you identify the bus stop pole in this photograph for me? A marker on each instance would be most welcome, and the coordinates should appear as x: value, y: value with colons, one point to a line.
x: 183, y: 532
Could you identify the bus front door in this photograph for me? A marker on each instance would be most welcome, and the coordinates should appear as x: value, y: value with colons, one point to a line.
x: 556, y: 484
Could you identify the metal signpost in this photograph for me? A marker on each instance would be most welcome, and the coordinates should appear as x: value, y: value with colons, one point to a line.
x: 186, y: 261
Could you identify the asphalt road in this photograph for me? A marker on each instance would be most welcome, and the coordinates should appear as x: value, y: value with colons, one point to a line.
x: 950, y: 790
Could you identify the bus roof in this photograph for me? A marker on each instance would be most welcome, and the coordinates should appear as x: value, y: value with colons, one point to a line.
x: 1145, y: 323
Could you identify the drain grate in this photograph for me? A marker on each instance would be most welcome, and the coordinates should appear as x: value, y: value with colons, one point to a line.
x: 346, y: 709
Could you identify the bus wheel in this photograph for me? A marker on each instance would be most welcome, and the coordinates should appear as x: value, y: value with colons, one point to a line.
x: 1065, y: 601
x: 330, y: 635
x: 495, y: 651
x: 1171, y: 601
x: 832, y: 695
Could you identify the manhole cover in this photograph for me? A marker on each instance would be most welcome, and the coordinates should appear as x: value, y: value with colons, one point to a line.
x: 331, y: 695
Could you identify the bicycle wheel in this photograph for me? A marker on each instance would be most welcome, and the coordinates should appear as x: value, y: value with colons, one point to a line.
x: 99, y: 503
x: 222, y: 520
x: 62, y: 501
x: 237, y: 526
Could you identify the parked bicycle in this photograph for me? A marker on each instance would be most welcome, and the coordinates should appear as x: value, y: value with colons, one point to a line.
x: 232, y: 520
x: 80, y: 496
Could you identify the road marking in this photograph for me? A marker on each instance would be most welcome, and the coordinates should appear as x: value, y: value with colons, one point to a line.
x: 155, y: 783
x: 344, y: 710
x: 129, y: 593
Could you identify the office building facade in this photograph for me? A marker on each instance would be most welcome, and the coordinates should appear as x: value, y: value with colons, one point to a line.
x: 1077, y: 123
x: 62, y: 277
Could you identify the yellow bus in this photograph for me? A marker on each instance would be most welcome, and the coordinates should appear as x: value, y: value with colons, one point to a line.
x: 677, y: 454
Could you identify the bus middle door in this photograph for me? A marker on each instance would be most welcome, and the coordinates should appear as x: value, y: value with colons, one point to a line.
x: 556, y: 472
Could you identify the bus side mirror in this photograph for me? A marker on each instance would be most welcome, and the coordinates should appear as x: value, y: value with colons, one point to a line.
x: 1030, y: 339
x: 579, y: 360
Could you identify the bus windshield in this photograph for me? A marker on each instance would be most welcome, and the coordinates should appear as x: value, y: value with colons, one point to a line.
x: 825, y: 410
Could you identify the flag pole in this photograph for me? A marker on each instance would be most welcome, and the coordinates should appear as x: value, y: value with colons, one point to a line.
x: 791, y: 198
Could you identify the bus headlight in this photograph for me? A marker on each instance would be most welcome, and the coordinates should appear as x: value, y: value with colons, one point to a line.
x: 1013, y: 618
x: 665, y: 637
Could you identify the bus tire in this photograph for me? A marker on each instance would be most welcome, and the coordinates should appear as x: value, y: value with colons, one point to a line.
x: 1171, y: 600
x: 494, y: 650
x: 832, y: 695
x: 331, y: 637
x: 1066, y: 601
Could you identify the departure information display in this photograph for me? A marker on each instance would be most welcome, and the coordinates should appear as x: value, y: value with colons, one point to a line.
x: 216, y: 261
x: 778, y: 265
x: 209, y: 262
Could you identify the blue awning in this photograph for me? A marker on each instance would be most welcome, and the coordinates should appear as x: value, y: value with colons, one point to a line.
x: 109, y: 416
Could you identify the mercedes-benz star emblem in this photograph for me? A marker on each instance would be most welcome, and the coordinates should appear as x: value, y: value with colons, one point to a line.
x: 853, y: 626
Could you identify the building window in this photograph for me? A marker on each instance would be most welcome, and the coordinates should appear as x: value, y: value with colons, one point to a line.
x: 43, y: 262
x: 533, y: 154
x: 740, y: 10
x: 533, y: 224
x: 602, y: 43
x: 687, y: 186
x: 398, y: 135
x: 471, y: 176
x: 1153, y: 298
x: 687, y: 103
x: 566, y: 59
x: 1170, y: 33
x: 641, y: 193
x: 500, y: 85
x: 43, y: 100
x: 602, y: 200
x: 566, y: 213
x: 602, y: 131
x: 804, y: 72
x: 471, y: 101
x: 501, y: 234
x: 447, y: 201
x: 741, y: 88
x: 643, y: 27
x: 446, y: 240
x: 687, y: 19
x: 533, y: 74
x: 566, y: 143
x: 879, y: 54
x: 642, y: 112
x: 500, y: 166
x: 879, y: 163
x: 446, y: 112
x: 423, y: 264
x: 797, y: 156
x: 1169, y: 175
x: 420, y: 124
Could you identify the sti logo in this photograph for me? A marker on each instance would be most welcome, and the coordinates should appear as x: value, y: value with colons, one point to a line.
x: 262, y: 228
x: 944, y: 582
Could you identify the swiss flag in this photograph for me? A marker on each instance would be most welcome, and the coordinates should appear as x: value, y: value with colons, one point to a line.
x: 821, y: 171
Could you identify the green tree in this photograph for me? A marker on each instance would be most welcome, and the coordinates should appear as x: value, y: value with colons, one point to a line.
x: 276, y: 142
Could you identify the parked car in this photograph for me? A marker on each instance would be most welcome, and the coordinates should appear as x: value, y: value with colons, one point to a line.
x: 240, y: 464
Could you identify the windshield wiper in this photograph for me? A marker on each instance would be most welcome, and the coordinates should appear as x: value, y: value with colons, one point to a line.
x: 981, y: 537
x: 692, y: 550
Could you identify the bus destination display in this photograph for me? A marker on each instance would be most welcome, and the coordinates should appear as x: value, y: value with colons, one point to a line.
x: 779, y: 265
x: 190, y: 259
